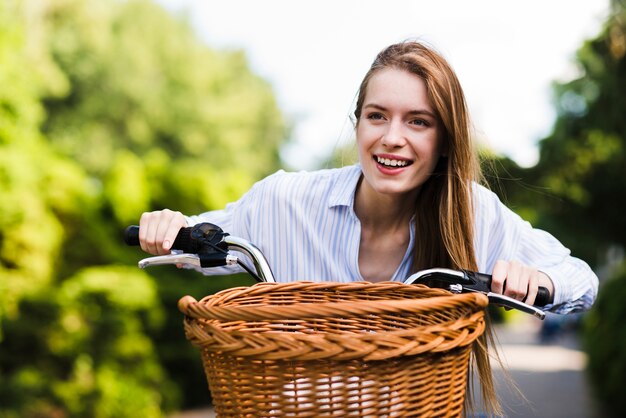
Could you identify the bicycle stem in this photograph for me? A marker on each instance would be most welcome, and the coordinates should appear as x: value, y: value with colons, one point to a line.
x: 252, y: 251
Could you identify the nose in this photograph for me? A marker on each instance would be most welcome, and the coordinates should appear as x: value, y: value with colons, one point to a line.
x: 394, y: 135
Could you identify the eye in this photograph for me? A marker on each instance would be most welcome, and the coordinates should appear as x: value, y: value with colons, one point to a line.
x: 375, y: 116
x: 419, y: 122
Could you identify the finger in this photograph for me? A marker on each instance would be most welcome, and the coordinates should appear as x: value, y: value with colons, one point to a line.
x: 498, y: 276
x: 166, y: 229
x: 516, y: 282
x: 159, y: 226
x: 544, y: 280
x: 142, y: 231
x: 158, y: 230
x: 176, y: 222
x: 147, y: 232
x: 533, y: 287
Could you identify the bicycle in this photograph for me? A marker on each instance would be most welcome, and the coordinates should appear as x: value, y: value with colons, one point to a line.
x: 324, y: 349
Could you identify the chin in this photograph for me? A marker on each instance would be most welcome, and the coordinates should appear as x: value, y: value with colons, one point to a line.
x: 395, y: 189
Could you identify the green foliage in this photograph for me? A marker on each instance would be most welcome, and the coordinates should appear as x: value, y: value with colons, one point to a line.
x: 577, y: 189
x: 109, y: 109
x: 97, y: 361
x: 30, y: 233
x: 605, y: 343
x: 126, y: 187
x: 25, y: 74
x: 137, y: 87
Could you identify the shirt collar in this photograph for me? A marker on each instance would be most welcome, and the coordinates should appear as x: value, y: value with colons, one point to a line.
x: 344, y: 189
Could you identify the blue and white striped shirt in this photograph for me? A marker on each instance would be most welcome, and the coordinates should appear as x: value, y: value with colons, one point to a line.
x: 305, y: 225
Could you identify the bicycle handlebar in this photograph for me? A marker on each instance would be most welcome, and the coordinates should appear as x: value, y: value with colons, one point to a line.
x: 206, y: 245
x: 462, y: 281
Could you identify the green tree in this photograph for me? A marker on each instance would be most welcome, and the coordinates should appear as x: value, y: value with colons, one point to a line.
x: 605, y: 344
x: 109, y: 109
x: 577, y: 190
x: 140, y: 80
x: 30, y: 232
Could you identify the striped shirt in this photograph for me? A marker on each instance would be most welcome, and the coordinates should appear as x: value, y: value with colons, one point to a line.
x: 305, y: 225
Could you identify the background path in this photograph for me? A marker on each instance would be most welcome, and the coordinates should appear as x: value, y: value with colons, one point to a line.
x: 551, y: 374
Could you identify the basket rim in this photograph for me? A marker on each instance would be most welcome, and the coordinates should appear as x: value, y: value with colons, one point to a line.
x: 231, y: 328
x: 215, y: 306
x: 301, y: 310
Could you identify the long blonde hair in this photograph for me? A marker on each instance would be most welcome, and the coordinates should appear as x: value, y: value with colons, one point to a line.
x: 444, y: 217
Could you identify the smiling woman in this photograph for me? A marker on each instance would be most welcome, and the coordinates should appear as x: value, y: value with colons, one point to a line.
x: 411, y: 108
x: 413, y: 202
x: 399, y: 146
x: 398, y: 137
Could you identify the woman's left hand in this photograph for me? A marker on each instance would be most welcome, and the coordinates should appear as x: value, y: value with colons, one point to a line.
x: 519, y: 281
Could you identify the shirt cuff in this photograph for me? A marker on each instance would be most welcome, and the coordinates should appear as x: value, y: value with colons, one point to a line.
x: 562, y: 292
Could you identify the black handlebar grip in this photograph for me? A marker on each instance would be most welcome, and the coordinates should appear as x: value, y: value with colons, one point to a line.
x: 182, y: 242
x: 543, y: 297
x: 131, y: 235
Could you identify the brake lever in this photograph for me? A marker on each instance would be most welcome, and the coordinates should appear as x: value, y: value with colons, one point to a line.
x: 463, y: 281
x: 515, y: 304
x: 197, y: 260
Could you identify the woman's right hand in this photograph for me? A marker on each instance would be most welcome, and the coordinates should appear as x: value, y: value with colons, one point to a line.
x: 158, y: 230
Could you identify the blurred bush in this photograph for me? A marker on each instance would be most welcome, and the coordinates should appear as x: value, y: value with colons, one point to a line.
x: 84, y: 349
x: 109, y: 109
x: 605, y: 343
x: 578, y: 192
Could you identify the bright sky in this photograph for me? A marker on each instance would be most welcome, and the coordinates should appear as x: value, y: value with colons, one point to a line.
x: 315, y: 53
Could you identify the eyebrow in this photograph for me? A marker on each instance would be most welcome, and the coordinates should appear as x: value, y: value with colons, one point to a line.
x: 411, y: 112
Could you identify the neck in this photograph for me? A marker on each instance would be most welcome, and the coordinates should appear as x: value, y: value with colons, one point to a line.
x: 386, y: 212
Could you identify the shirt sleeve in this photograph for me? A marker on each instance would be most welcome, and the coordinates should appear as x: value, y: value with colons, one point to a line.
x: 501, y: 234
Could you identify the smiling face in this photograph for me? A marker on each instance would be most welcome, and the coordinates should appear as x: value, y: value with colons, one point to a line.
x: 397, y: 133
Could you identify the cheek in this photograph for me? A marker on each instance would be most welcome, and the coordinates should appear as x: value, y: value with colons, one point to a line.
x: 360, y: 146
x: 427, y: 148
x: 363, y: 140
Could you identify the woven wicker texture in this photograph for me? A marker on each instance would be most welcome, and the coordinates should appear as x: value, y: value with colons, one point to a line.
x: 359, y: 349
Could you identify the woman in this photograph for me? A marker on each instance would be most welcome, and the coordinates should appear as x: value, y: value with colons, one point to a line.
x: 413, y: 202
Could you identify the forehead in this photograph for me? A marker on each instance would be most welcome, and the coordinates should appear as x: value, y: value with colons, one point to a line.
x: 391, y: 86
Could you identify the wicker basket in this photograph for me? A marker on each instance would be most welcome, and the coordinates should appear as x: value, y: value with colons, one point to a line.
x: 325, y: 349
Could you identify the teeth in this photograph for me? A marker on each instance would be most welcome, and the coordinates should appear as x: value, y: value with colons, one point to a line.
x: 391, y: 163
